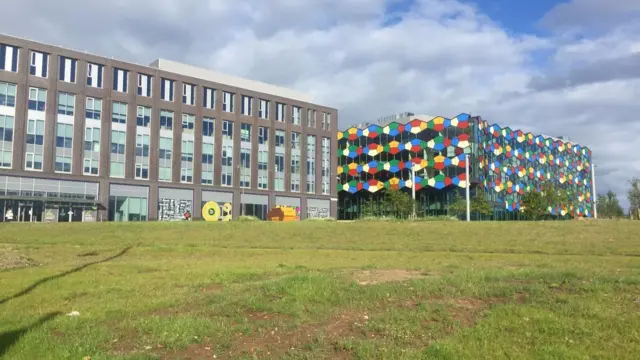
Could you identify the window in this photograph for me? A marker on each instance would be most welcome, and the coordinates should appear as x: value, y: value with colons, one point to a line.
x: 295, y: 172
x: 247, y: 103
x: 295, y: 115
x: 95, y: 73
x: 311, y: 164
x: 37, y: 99
x: 145, y: 85
x: 280, y: 111
x: 119, y: 113
x: 227, y: 129
x: 207, y: 164
x: 38, y: 65
x: 227, y: 165
x: 245, y: 168
x: 208, y: 127
x: 311, y: 118
x: 188, y: 123
x: 279, y: 172
x: 209, y: 98
x: 35, y: 142
x: 188, y: 94
x: 142, y: 156
x: 143, y: 118
x: 263, y: 135
x: 186, y: 165
x: 328, y: 121
x: 263, y: 169
x: 66, y: 103
x: 94, y: 108
x: 227, y: 101
x: 165, y: 154
x: 120, y: 79
x: 245, y: 133
x: 166, y: 89
x: 64, y: 147
x: 264, y: 109
x: 326, y: 163
x: 279, y: 138
x: 68, y: 69
x: 91, y: 150
x: 63, y: 164
x: 7, y: 94
x: 64, y: 136
x: 118, y: 143
x: 295, y: 141
x: 9, y: 58
x: 6, y: 141
x: 166, y: 120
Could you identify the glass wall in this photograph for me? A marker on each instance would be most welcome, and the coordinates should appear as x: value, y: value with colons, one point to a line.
x: 127, y: 208
x: 128, y: 203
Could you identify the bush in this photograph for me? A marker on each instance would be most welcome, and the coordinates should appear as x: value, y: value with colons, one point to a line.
x: 247, y: 218
x: 321, y: 219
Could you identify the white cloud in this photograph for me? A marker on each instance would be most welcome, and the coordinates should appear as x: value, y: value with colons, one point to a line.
x: 443, y: 57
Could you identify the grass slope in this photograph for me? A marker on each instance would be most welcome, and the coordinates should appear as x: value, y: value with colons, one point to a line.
x: 320, y: 290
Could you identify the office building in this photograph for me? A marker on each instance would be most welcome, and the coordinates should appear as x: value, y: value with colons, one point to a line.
x: 86, y: 138
x: 505, y: 163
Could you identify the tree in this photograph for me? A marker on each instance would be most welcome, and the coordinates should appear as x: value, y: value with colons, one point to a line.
x: 395, y: 203
x: 534, y: 205
x: 478, y: 205
x: 609, y: 206
x: 634, y: 197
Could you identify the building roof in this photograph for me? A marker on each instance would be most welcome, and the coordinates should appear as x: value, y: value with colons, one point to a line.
x: 213, y: 76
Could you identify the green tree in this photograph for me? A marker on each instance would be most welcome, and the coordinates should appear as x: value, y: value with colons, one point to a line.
x: 395, y: 203
x: 634, y: 197
x: 534, y: 205
x: 609, y: 206
x: 479, y: 205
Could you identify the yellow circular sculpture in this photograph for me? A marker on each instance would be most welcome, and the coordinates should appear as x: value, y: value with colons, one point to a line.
x: 211, y: 211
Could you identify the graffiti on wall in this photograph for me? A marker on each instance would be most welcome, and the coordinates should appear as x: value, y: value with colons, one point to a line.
x: 211, y: 211
x: 317, y: 213
x: 173, y: 210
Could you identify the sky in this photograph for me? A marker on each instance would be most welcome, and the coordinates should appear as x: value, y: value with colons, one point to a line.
x: 547, y: 66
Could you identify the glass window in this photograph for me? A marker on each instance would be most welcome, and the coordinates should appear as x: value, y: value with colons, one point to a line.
x: 94, y: 108
x: 245, y: 132
x: 166, y: 120
x: 7, y: 94
x: 143, y: 117
x: 37, y: 99
x: 66, y: 103
x: 208, y: 127
x: 119, y: 113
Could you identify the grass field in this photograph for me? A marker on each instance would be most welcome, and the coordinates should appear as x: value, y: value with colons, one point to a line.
x: 320, y: 290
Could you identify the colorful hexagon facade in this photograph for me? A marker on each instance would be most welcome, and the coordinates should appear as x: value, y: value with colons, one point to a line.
x: 507, y: 163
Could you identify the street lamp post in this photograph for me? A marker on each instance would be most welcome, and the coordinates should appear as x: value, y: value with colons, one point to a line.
x: 467, y: 188
x: 595, y: 194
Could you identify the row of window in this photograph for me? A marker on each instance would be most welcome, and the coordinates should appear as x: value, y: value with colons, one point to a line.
x: 64, y: 145
x: 39, y: 62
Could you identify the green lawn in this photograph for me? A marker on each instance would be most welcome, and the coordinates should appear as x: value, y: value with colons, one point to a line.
x: 321, y: 290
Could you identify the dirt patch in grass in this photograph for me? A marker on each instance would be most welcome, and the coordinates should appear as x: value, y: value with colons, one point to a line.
x: 372, y: 277
x: 275, y: 342
x: 11, y: 259
x: 212, y: 289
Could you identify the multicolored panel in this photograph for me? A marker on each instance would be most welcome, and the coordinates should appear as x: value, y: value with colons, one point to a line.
x: 514, y: 163
x: 439, y: 143
x: 414, y: 126
x: 373, y: 185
